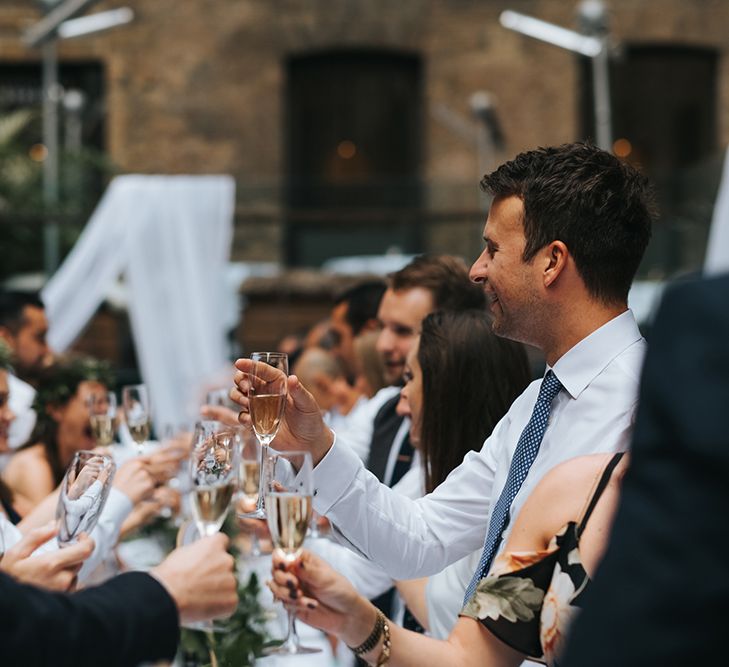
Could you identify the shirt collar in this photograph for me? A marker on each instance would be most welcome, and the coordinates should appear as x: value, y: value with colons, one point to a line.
x: 581, y: 364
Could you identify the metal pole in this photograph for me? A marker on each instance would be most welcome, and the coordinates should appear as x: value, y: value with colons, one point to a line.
x: 51, y: 95
x: 601, y: 95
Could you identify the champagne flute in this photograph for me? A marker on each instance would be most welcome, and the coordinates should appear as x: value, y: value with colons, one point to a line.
x: 289, y: 490
x: 136, y: 409
x: 84, y: 490
x: 102, y: 416
x: 267, y: 390
x: 214, y: 469
x: 250, y: 481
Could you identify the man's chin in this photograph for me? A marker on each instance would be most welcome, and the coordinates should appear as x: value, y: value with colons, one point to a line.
x: 393, y: 375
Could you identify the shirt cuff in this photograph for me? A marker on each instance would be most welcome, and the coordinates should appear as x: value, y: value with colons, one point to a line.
x: 118, y: 507
x: 334, y: 474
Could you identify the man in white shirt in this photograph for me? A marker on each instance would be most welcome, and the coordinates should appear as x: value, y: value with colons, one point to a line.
x: 567, y: 229
x: 23, y: 328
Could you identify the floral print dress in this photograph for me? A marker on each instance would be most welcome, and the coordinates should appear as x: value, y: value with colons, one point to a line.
x: 529, y: 599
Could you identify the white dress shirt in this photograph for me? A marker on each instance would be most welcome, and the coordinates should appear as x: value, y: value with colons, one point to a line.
x: 594, y: 413
x: 357, y: 433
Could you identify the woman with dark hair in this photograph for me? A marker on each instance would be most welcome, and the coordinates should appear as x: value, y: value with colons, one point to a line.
x: 469, y: 379
x: 460, y: 379
x: 62, y: 429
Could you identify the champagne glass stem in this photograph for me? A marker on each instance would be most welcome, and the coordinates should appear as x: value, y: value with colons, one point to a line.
x: 291, y: 643
x: 260, y: 503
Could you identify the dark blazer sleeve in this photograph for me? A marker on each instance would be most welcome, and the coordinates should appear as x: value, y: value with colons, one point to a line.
x: 660, y: 595
x: 128, y: 620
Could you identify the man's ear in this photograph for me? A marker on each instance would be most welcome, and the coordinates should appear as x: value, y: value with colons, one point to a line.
x: 7, y: 336
x: 555, y: 256
x: 373, y: 324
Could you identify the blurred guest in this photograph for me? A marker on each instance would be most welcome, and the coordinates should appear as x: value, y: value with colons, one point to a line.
x: 23, y: 328
x: 369, y: 365
x: 355, y: 313
x: 63, y: 427
x: 321, y: 373
x: 660, y: 595
x: 132, y: 484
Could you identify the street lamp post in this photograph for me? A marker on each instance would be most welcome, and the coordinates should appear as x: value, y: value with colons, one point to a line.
x: 592, y: 42
x: 60, y: 23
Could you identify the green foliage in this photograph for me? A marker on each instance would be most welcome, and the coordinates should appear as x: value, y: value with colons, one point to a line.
x: 236, y: 641
x: 82, y: 175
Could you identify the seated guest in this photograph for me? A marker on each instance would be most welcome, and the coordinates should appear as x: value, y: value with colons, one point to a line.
x: 521, y: 608
x: 23, y: 328
x: 63, y: 428
x: 321, y: 373
x: 460, y: 380
x: 369, y: 365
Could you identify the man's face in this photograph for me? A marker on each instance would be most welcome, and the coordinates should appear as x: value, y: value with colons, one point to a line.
x: 511, y: 285
x: 344, y: 349
x: 401, y: 314
x: 30, y: 349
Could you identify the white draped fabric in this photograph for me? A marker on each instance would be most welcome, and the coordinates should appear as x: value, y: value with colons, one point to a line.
x: 170, y: 236
x: 717, y: 250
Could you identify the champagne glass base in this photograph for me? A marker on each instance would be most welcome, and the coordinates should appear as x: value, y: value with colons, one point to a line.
x: 285, y: 649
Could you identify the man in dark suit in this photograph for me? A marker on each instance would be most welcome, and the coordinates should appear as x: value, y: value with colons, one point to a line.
x: 660, y: 595
x: 130, y: 619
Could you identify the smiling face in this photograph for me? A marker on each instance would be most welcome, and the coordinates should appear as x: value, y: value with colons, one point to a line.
x: 511, y: 285
x: 6, y: 414
x: 74, y: 426
x: 401, y: 314
x: 412, y: 394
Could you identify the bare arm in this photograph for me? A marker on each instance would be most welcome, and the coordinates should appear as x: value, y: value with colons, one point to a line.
x: 331, y: 604
x: 413, y: 593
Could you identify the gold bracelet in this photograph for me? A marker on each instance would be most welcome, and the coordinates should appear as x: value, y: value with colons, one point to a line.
x: 368, y: 644
x: 384, y: 658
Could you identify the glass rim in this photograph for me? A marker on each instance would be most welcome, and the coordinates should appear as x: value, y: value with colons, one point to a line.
x: 270, y: 355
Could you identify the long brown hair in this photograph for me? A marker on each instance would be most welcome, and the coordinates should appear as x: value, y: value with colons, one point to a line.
x: 470, y: 379
x: 59, y: 384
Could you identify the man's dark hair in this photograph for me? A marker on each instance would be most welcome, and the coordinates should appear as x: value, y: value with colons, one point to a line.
x: 447, y: 279
x: 599, y: 206
x: 362, y: 301
x: 12, y: 304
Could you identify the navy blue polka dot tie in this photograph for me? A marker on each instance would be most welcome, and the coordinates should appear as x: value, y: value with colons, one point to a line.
x: 524, y: 455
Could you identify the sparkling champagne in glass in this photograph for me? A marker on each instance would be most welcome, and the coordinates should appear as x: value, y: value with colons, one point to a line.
x: 268, y: 382
x: 136, y: 410
x: 289, y: 490
x: 84, y: 490
x: 102, y: 416
x: 214, y: 467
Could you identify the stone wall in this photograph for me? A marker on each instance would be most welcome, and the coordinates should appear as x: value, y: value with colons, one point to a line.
x: 197, y: 86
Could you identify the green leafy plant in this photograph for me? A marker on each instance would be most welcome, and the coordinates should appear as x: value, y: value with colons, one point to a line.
x: 234, y: 642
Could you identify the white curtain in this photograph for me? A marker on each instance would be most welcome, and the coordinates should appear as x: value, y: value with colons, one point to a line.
x: 717, y: 250
x: 170, y: 236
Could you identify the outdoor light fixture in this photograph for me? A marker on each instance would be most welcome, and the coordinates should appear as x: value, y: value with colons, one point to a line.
x: 47, y: 27
x: 87, y: 25
x: 551, y: 33
x: 61, y: 21
x: 592, y: 43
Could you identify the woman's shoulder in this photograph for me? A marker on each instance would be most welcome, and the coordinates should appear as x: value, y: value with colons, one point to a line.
x: 28, y: 468
x: 573, y: 473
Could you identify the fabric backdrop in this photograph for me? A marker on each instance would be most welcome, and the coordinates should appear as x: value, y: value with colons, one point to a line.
x: 170, y: 237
